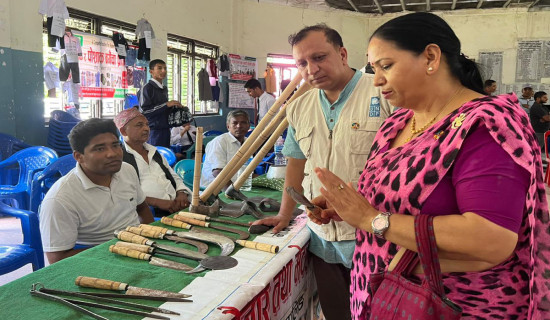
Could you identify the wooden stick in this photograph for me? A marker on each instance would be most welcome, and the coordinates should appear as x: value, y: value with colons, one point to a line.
x: 267, y: 146
x: 248, y: 146
x: 197, y: 173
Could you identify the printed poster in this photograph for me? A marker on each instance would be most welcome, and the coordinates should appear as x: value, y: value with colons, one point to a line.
x: 238, y: 97
x: 242, y: 67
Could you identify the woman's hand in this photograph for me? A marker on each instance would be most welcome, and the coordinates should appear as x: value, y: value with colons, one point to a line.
x: 345, y: 201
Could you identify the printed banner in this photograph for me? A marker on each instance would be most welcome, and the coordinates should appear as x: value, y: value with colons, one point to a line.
x: 242, y: 67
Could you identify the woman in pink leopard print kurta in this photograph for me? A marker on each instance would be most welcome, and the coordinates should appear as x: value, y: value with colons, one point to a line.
x: 448, y: 146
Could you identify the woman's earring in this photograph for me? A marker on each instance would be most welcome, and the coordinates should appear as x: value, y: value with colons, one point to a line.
x: 430, y: 69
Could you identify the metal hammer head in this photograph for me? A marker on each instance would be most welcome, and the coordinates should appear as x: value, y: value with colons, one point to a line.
x: 211, y: 211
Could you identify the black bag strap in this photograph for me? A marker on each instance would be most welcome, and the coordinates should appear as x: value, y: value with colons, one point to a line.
x: 129, y: 158
x: 158, y: 158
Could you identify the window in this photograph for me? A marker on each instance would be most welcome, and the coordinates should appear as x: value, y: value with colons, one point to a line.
x: 184, y: 60
x: 105, y: 79
x: 284, y: 67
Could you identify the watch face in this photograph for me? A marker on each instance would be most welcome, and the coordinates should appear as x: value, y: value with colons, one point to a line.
x: 379, y: 224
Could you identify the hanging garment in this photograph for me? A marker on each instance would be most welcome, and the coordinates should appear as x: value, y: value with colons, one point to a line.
x: 131, y: 56
x: 51, y: 8
x: 270, y: 80
x: 121, y: 45
x: 51, y: 76
x: 205, y: 91
x: 142, y: 26
x: 144, y: 53
x: 66, y: 68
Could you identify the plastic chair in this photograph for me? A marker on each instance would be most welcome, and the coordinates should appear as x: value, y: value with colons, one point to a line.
x: 186, y: 169
x: 45, y: 179
x: 168, y: 154
x: 30, y: 161
x: 63, y: 116
x: 9, y: 145
x: 212, y: 133
x: 14, y: 256
x: 267, y: 161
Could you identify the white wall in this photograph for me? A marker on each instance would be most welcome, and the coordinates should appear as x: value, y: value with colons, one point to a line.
x: 255, y: 29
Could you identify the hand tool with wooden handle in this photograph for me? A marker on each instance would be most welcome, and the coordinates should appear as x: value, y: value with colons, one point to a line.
x: 137, y: 235
x: 130, y: 291
x: 201, y: 246
x: 197, y: 173
x: 301, y: 199
x: 147, y: 257
x: 91, y: 296
x: 203, y: 217
x: 206, y: 262
x: 243, y: 235
x: 224, y: 242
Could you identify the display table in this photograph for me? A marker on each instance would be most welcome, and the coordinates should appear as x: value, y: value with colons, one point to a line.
x: 261, y: 286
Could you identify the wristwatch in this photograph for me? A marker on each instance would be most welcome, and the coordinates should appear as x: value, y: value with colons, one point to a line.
x: 380, y: 224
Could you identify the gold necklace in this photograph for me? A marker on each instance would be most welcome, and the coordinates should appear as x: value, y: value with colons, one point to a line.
x: 415, y: 131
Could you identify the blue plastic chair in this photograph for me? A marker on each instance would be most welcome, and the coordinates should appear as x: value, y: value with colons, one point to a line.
x: 168, y: 154
x: 45, y: 179
x: 267, y: 161
x: 186, y: 169
x: 212, y: 133
x: 60, y: 125
x: 30, y: 161
x: 14, y: 256
x: 9, y: 145
x: 63, y: 116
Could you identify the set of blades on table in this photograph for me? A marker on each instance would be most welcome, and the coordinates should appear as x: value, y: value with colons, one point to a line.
x: 135, y: 243
x: 38, y: 290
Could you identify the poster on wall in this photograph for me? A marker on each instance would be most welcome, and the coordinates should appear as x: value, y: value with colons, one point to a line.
x: 491, y: 67
x: 102, y: 73
x: 531, y: 60
x: 238, y: 97
x: 242, y: 67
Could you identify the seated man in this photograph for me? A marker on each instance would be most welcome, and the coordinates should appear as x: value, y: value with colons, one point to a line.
x: 100, y: 195
x: 220, y: 150
x: 184, y: 136
x: 163, y: 188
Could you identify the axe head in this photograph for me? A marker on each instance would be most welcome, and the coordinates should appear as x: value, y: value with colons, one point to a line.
x: 235, y: 194
x: 211, y: 211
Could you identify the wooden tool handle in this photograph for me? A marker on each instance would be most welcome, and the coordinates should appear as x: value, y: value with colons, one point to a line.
x: 258, y: 246
x: 97, y: 283
x: 175, y: 223
x: 145, y: 232
x: 192, y: 221
x: 197, y: 172
x: 130, y: 253
x: 132, y: 237
x: 195, y: 216
x: 155, y: 228
x: 134, y: 246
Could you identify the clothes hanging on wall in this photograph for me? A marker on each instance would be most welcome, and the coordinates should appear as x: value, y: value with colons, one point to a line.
x: 131, y: 56
x: 223, y: 65
x: 205, y: 91
x: 121, y: 45
x: 145, y: 34
x: 270, y: 80
x: 57, y: 9
x: 51, y: 77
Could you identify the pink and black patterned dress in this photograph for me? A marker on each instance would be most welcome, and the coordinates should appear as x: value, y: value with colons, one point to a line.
x: 401, y: 181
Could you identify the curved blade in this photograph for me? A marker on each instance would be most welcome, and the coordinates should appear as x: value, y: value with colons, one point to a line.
x: 184, y: 252
x: 226, y: 244
x: 201, y: 246
x: 215, y: 263
x: 243, y: 235
x: 169, y: 264
x: 197, y: 269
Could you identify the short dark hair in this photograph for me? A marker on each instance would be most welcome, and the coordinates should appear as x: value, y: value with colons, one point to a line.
x: 84, y: 131
x: 539, y: 94
x: 333, y: 37
x: 252, y: 84
x: 154, y: 62
x: 237, y: 113
x: 414, y: 31
x: 489, y: 83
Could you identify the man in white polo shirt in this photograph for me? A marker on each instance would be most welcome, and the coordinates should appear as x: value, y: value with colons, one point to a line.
x: 100, y: 195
